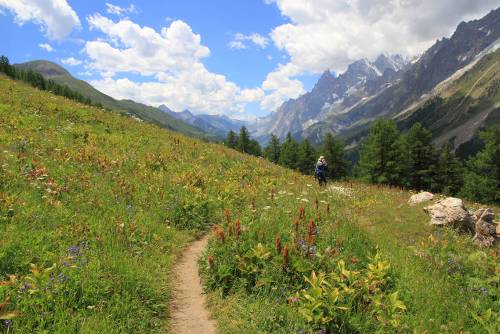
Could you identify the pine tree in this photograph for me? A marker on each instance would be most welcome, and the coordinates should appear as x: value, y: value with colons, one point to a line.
x: 333, y: 151
x: 231, y: 139
x: 450, y: 177
x: 272, y: 150
x: 381, y: 154
x: 482, y: 180
x: 254, y: 148
x: 288, y: 152
x: 422, y: 159
x: 244, y: 140
x: 306, y: 157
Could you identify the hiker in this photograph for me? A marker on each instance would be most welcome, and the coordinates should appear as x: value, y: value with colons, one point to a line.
x: 321, y: 169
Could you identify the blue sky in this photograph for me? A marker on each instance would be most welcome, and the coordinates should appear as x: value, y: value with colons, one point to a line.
x: 240, y: 58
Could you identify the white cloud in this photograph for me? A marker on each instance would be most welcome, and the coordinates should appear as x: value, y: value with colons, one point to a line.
x: 326, y: 34
x: 281, y: 87
x: 331, y: 34
x: 46, y: 47
x: 85, y: 73
x: 172, y: 58
x: 142, y: 49
x: 239, y: 39
x: 56, y: 17
x: 70, y: 61
x: 117, y: 10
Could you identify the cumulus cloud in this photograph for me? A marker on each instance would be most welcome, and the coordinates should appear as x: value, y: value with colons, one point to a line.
x: 117, y: 10
x: 331, y: 34
x: 171, y: 58
x: 281, y: 87
x: 325, y: 34
x: 46, y: 47
x: 239, y: 41
x: 56, y: 17
x: 70, y: 61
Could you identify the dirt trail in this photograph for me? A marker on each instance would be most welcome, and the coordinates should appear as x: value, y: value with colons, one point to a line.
x: 188, y: 312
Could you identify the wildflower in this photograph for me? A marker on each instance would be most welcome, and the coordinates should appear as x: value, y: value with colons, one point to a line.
x: 310, y: 232
x: 238, y: 229
x: 484, y: 291
x: 286, y: 258
x: 73, y: 251
x: 296, y: 226
x: 25, y: 287
x: 228, y: 216
x: 278, y: 244
x: 230, y: 229
x: 293, y: 299
x: 210, y: 261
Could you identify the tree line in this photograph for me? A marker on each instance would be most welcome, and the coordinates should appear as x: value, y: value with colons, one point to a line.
x: 410, y: 160
x: 292, y: 154
x: 38, y: 81
x: 388, y: 156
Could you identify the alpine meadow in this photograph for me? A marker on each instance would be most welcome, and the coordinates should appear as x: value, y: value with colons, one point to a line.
x: 328, y: 167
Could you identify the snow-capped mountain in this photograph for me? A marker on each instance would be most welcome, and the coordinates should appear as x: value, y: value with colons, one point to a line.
x: 333, y: 95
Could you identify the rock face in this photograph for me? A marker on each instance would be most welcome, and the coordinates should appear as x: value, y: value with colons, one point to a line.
x: 420, y: 197
x: 449, y: 212
x: 485, y: 227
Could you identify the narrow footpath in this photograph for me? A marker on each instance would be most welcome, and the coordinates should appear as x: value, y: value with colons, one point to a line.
x: 188, y: 312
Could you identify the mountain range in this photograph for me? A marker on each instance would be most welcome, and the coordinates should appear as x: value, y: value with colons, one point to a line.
x: 219, y: 125
x: 452, y: 89
x: 406, y: 90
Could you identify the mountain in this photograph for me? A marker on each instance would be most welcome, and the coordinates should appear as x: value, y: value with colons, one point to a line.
x: 139, y: 111
x: 333, y: 95
x: 439, y: 66
x: 217, y: 124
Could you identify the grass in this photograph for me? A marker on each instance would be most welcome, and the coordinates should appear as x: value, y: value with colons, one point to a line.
x: 446, y: 284
x: 95, y: 207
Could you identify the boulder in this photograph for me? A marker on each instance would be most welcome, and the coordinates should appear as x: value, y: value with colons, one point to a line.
x: 449, y: 212
x: 485, y: 227
x: 420, y: 197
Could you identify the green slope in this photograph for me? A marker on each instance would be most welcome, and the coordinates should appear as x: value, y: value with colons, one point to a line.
x: 95, y: 207
x: 146, y: 113
x: 457, y: 111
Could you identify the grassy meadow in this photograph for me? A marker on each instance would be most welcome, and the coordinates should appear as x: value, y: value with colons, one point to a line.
x: 95, y: 207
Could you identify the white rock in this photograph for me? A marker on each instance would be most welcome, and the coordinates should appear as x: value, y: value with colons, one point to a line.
x: 449, y: 211
x: 420, y: 197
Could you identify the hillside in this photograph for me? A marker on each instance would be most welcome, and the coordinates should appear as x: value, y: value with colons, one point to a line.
x: 95, y: 207
x: 141, y: 111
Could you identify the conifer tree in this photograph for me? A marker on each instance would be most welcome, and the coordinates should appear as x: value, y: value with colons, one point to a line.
x: 333, y: 150
x: 482, y: 180
x: 244, y: 140
x: 380, y: 159
x: 288, y: 152
x: 272, y: 150
x: 450, y: 175
x: 254, y: 148
x: 306, y: 157
x: 422, y: 160
x: 231, y: 139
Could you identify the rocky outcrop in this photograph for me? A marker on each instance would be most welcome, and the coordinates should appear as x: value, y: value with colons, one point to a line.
x: 420, y: 197
x: 449, y: 212
x: 485, y: 227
